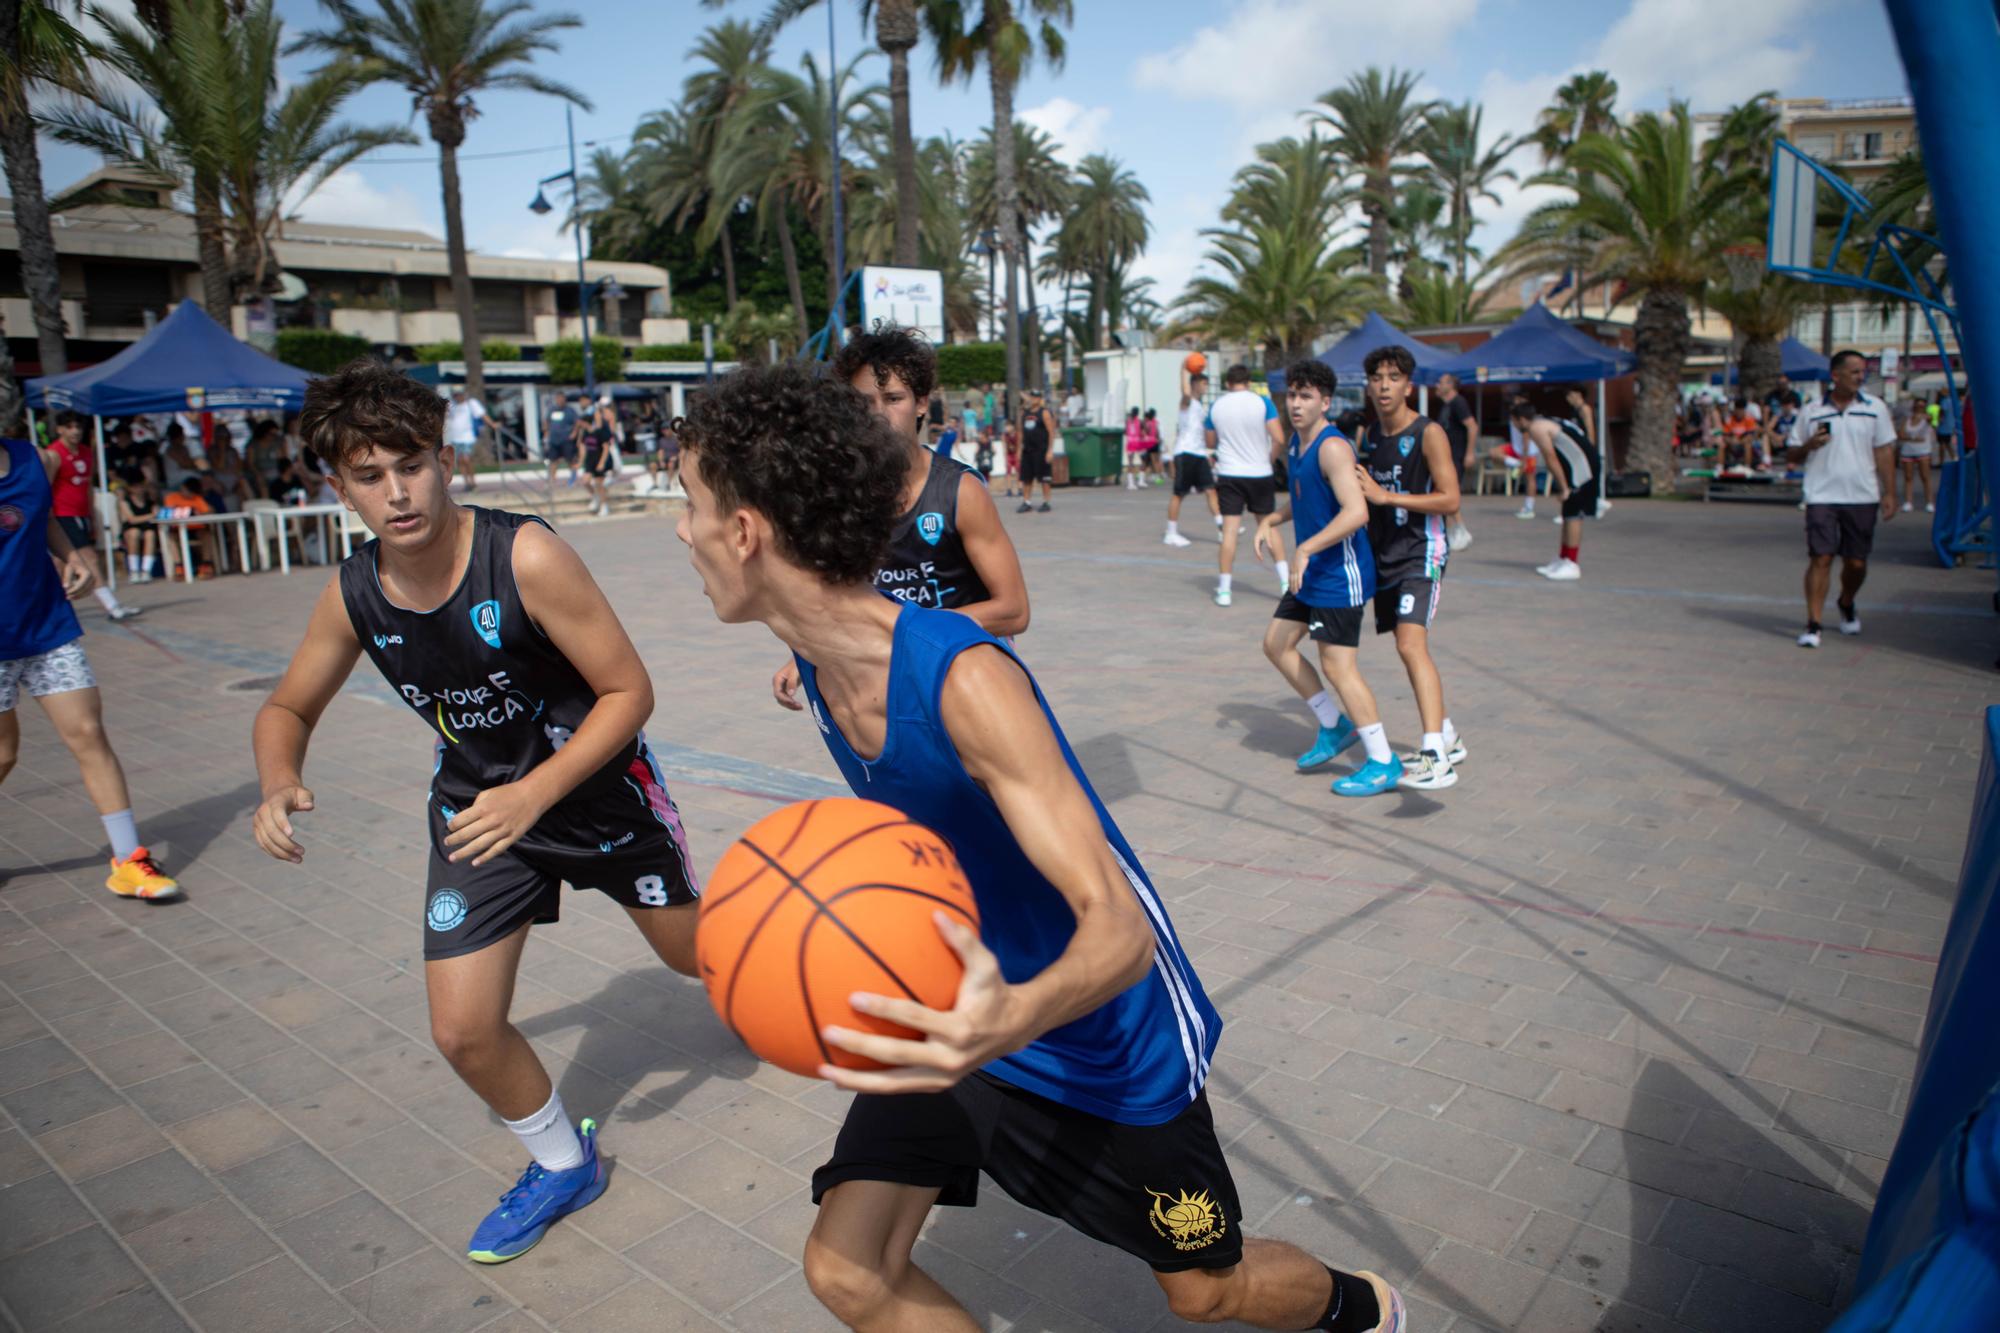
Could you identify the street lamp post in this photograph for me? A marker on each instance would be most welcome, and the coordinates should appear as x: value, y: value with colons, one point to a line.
x: 987, y: 245
x: 542, y: 205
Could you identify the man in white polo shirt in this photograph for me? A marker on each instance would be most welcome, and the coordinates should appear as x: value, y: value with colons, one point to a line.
x: 1847, y: 442
x: 1246, y: 434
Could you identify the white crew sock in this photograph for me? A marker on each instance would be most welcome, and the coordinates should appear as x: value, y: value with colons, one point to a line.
x: 1222, y: 582
x: 1325, y: 709
x: 550, y: 1136
x: 1173, y: 528
x: 1434, y: 742
x: 123, y: 832
x: 1450, y: 733
x: 106, y: 599
x: 1375, y: 738
x: 1218, y: 522
x: 132, y: 565
x: 1285, y: 574
x: 1528, y: 504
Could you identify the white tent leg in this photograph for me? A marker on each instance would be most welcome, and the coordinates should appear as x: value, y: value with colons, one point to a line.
x: 1423, y: 400
x: 1603, y: 452
x: 104, y: 488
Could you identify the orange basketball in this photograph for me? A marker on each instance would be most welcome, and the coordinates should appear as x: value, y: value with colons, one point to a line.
x: 816, y: 902
x: 1195, y: 363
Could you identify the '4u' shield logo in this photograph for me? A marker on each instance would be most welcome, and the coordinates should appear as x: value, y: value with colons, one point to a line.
x: 931, y: 527
x: 486, y: 619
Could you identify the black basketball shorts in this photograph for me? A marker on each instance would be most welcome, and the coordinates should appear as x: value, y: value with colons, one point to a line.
x: 630, y: 847
x: 1408, y: 601
x: 1193, y: 472
x: 1162, y: 1193
x: 1336, y: 625
x: 1258, y: 495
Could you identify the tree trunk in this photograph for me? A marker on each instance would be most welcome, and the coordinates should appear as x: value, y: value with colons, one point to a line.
x: 1826, y: 327
x: 1759, y: 368
x: 1037, y: 372
x: 40, y: 272
x: 791, y: 254
x: 461, y: 273
x: 10, y: 393
x: 896, y: 33
x: 1094, y: 307
x: 1661, y: 344
x: 210, y: 248
x: 1007, y: 189
x: 1065, y: 330
x: 728, y: 269
x: 1377, y: 209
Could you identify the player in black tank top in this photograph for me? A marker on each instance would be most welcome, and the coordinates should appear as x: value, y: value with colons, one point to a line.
x: 493, y: 632
x: 947, y: 548
x: 1037, y: 436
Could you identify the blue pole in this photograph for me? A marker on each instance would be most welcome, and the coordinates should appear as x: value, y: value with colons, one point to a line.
x: 1950, y: 48
x: 582, y: 283
x: 839, y: 213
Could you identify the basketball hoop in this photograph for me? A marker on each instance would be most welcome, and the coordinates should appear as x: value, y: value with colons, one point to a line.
x: 1745, y: 265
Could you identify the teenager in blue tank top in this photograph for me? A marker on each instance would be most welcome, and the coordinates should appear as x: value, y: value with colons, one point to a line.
x: 1071, y: 1067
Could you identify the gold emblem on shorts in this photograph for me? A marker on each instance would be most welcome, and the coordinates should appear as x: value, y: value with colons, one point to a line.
x: 1190, y: 1221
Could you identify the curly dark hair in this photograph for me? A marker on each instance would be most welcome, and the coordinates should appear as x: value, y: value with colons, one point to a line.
x: 809, y: 455
x: 1394, y: 354
x: 1311, y: 373
x: 890, y: 350
x: 366, y: 403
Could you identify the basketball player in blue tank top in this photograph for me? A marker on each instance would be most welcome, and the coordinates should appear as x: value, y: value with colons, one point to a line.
x: 1070, y: 1069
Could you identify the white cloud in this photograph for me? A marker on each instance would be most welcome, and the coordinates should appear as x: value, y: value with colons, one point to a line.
x: 1281, y: 54
x: 348, y: 199
x: 1663, y: 46
x: 1078, y: 130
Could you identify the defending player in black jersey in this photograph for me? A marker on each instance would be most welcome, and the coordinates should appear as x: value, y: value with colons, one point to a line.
x: 947, y: 548
x: 1412, y: 487
x: 494, y: 633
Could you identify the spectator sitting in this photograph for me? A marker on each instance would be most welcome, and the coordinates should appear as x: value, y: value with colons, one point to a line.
x: 137, y: 501
x: 190, y: 496
x: 175, y: 459
x: 1739, y: 437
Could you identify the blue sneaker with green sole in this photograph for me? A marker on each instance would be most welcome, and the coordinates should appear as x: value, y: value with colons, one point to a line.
x: 1327, y: 746
x: 1371, y: 779
x: 538, y: 1199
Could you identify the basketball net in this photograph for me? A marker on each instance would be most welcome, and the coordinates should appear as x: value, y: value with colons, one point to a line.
x: 1745, y: 266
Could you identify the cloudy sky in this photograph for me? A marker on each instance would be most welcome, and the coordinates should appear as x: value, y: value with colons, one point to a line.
x: 1180, y: 90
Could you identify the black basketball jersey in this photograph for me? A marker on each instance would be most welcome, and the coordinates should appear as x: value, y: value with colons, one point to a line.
x: 1034, y: 432
x: 480, y: 673
x: 1405, y: 543
x: 926, y: 561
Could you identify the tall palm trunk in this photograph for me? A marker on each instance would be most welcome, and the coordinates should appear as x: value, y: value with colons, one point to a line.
x: 10, y: 389
x: 1660, y: 340
x: 449, y: 132
x: 40, y: 273
x: 211, y: 250
x: 1759, y: 367
x: 1007, y: 188
x: 1067, y: 287
x: 1037, y: 373
x: 896, y: 34
x: 1377, y: 209
x: 791, y: 255
x: 728, y: 270
x: 1094, y: 307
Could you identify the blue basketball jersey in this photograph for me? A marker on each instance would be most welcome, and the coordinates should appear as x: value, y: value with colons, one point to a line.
x: 35, y: 617
x: 1143, y: 1056
x: 1344, y: 574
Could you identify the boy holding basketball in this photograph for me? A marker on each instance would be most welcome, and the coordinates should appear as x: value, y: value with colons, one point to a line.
x: 1071, y: 1067
x: 493, y: 631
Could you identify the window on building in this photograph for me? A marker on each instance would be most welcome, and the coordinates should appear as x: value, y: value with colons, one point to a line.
x: 1816, y: 145
x: 502, y: 307
x: 1871, y: 144
x: 122, y: 295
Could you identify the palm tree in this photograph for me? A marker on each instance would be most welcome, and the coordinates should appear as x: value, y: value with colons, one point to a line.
x: 1432, y: 296
x: 446, y: 54
x: 1762, y: 315
x: 611, y: 200
x: 1743, y: 139
x: 1042, y: 192
x: 997, y: 34
x: 1656, y: 222
x: 1466, y: 172
x: 1104, y: 229
x: 733, y: 55
x: 37, y: 46
x: 1377, y: 122
x: 1584, y: 105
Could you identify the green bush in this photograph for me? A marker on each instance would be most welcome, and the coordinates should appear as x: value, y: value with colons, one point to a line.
x: 961, y: 365
x: 681, y: 352
x: 321, y: 351
x: 492, y: 349
x: 565, y: 360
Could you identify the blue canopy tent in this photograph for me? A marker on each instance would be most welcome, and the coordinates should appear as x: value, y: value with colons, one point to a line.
x: 1345, y: 356
x: 1796, y: 362
x: 1538, y: 348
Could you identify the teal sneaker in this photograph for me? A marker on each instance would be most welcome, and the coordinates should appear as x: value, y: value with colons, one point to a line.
x: 537, y: 1200
x: 1330, y: 742
x: 1371, y: 779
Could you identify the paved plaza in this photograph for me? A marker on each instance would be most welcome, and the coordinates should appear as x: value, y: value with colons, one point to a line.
x: 1616, y: 1034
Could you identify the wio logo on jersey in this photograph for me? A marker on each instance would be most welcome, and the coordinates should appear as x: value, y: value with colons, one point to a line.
x: 615, y: 842
x: 931, y: 527
x: 486, y: 619
x: 384, y: 640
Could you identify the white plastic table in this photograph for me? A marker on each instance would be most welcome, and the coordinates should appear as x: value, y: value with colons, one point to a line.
x: 187, y: 521
x: 284, y: 514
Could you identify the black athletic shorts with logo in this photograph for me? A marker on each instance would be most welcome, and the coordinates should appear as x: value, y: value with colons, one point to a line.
x: 1258, y: 495
x: 1035, y: 465
x: 1337, y: 625
x: 1193, y: 472
x: 631, y: 848
x: 1162, y: 1193
x: 1847, y: 531
x: 1407, y: 601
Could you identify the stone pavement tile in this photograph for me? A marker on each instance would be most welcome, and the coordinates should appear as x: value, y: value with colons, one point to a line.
x: 401, y: 1162
x: 1487, y: 1220
x: 339, y: 1115
x: 36, y: 1061
x: 283, y: 1184
x: 67, y: 997
x: 1823, y: 1215
x: 1842, y: 1123
x: 631, y: 1209
x: 106, y: 1025
x: 1090, y: 1279
x: 350, y: 1238
x: 1472, y: 1157
x: 1491, y: 1291
x: 727, y: 1181
x: 143, y: 1311
x: 1807, y: 1073
x: 183, y: 1094
x: 1322, y: 1107
x: 402, y: 1071
x: 1502, y: 1071
x: 1773, y: 1256
x: 349, y: 1036
x: 59, y: 1101
x: 1579, y: 1012
x: 1378, y: 1080
x: 712, y: 1265
x: 286, y: 1075
x: 231, y: 1135
x: 1766, y: 1029
x: 1775, y: 1150
x: 38, y: 1210
x: 1399, y: 1040
x: 61, y: 1277
x: 303, y: 1005
x: 237, y: 1042
x: 451, y: 1209
x: 200, y: 1247
x: 275, y: 1294
x: 1605, y: 1262
x: 18, y: 1024
x: 1608, y: 1060
x: 1346, y: 990
x: 1605, y: 1201
x: 1514, y: 970
x: 768, y: 1125
x: 646, y: 1307
x: 1678, y: 1171
x: 791, y: 1306
x: 150, y: 1190
x: 137, y: 1059
x: 993, y: 1235
x: 1451, y: 983
x: 1519, y: 1122
x: 156, y: 985
x: 18, y: 1160
x: 566, y: 1272
x: 1722, y: 1300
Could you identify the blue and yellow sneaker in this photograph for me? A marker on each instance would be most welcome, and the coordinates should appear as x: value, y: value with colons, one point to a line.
x: 538, y: 1198
x: 1371, y: 779
x: 1330, y: 742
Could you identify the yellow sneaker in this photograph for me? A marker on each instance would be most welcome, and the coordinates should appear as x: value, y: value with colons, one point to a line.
x: 138, y: 877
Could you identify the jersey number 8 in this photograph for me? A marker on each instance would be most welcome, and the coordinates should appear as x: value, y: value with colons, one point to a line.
x: 652, y: 890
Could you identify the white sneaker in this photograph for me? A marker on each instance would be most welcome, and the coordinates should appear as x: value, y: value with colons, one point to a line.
x: 1461, y: 537
x: 1549, y: 568
x: 1564, y: 571
x: 1175, y: 539
x: 1809, y: 639
x: 1525, y: 511
x: 1930, y: 509
x: 1907, y: 506
x: 1431, y: 772
x: 124, y: 612
x: 1850, y: 621
x: 1222, y: 597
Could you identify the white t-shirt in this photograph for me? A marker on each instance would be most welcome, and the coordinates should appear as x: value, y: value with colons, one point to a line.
x: 1242, y: 446
x: 1191, y: 431
x: 1843, y: 473
x: 462, y: 421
